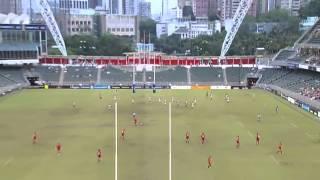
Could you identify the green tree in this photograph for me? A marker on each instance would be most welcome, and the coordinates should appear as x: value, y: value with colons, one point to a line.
x: 312, y: 9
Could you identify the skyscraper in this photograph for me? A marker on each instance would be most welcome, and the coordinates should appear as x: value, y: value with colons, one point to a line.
x: 292, y: 6
x: 182, y: 3
x: 95, y: 3
x: 214, y: 7
x: 11, y: 6
x: 200, y: 8
x: 145, y: 9
x: 165, y: 8
x: 112, y: 6
x: 132, y: 7
x: 253, y: 9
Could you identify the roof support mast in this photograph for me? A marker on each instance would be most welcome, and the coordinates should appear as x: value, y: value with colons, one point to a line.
x: 52, y: 25
x: 236, y: 22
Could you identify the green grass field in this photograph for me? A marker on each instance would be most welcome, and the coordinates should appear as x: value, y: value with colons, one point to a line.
x: 144, y: 155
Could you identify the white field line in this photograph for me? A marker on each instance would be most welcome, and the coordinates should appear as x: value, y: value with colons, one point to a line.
x: 250, y: 134
x: 241, y: 124
x: 6, y: 163
x: 294, y: 125
x: 170, y: 152
x: 310, y: 136
x: 116, y: 142
x: 274, y: 159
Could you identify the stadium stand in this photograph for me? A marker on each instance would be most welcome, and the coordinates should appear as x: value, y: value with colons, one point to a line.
x: 305, y: 82
x: 80, y: 75
x: 284, y: 55
x: 49, y: 74
x: 315, y: 39
x: 176, y: 75
x: 112, y: 75
x: 269, y: 75
x: 205, y: 75
x: 239, y: 74
x: 15, y: 74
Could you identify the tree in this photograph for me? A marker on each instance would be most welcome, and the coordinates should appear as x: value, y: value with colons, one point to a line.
x: 146, y: 27
x: 106, y: 45
x: 312, y: 9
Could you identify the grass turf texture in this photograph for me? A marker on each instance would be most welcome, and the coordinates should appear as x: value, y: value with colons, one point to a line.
x: 144, y: 154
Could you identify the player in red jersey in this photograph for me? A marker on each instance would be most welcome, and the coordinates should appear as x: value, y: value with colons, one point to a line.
x: 280, y: 148
x: 187, y: 137
x: 99, y: 155
x: 123, y: 132
x: 210, y: 161
x: 34, y: 138
x: 202, y: 138
x: 258, y: 139
x: 238, y: 142
x: 59, y: 148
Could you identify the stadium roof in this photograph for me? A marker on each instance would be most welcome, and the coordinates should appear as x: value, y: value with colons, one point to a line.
x: 14, y: 19
x: 18, y: 47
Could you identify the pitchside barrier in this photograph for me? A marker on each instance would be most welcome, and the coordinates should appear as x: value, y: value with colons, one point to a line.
x: 304, y: 103
x: 143, y: 86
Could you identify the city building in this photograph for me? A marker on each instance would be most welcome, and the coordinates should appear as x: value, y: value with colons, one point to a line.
x: 132, y: 6
x: 145, y: 9
x: 11, y: 6
x: 201, y: 8
x: 168, y: 28
x: 227, y: 8
x: 119, y: 25
x: 186, y: 28
x: 253, y: 9
x: 306, y: 24
x: 195, y: 29
x: 214, y: 7
x: 79, y: 24
x: 293, y: 6
x: 176, y: 13
x: 93, y: 4
x: 75, y: 17
x: 112, y: 6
